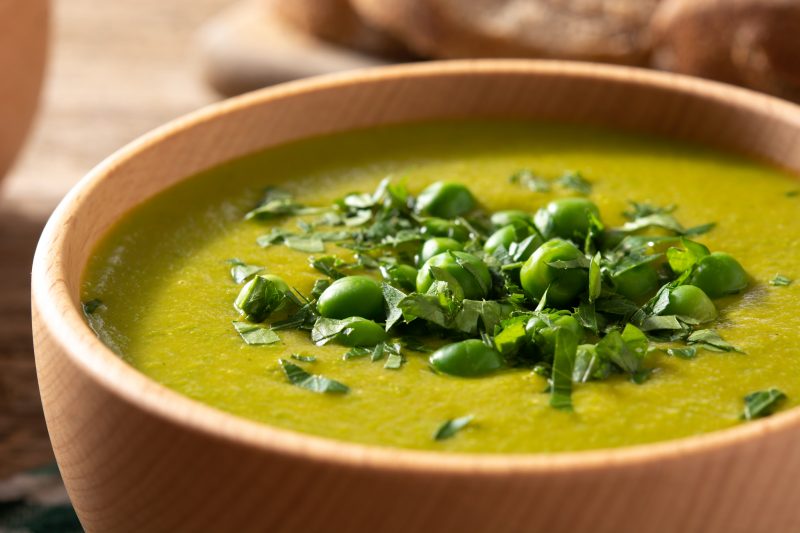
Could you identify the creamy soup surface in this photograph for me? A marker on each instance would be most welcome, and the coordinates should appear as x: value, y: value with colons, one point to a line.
x: 163, y: 278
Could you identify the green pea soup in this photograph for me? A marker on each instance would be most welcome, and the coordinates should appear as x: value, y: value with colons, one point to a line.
x: 163, y: 277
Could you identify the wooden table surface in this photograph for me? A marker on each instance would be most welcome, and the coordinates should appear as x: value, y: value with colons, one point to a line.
x: 117, y: 69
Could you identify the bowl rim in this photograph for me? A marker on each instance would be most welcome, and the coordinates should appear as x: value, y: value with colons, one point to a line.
x: 67, y: 328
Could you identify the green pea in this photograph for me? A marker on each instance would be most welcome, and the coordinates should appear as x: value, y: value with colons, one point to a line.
x: 692, y: 302
x: 261, y: 296
x: 637, y: 283
x: 439, y: 227
x: 564, y: 284
x: 362, y: 332
x: 401, y: 276
x: 446, y: 200
x: 471, y: 274
x: 438, y: 245
x: 466, y: 359
x: 352, y: 296
x: 505, y: 236
x: 567, y: 218
x: 719, y: 274
x: 504, y: 218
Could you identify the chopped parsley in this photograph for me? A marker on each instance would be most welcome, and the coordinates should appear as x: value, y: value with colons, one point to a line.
x: 780, y: 281
x: 255, y: 334
x: 314, y: 383
x: 608, y: 326
x: 241, y: 272
x: 762, y: 403
x: 451, y: 427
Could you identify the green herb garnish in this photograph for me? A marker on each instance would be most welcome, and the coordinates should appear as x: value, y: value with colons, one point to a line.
x: 575, y: 181
x: 710, y: 340
x: 563, y: 365
x: 303, y: 358
x: 762, y: 403
x: 780, y: 281
x: 90, y: 306
x: 689, y: 352
x: 254, y: 334
x: 451, y: 427
x: 528, y: 179
x: 314, y: 383
x: 241, y: 271
x: 557, y: 292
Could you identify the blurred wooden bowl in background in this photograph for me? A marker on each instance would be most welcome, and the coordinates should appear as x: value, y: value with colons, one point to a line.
x: 23, y: 51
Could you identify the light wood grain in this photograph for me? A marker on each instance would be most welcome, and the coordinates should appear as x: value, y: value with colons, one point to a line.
x: 248, y: 46
x: 139, y: 457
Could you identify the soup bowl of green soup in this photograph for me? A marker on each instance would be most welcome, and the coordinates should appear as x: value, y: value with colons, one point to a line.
x: 460, y: 296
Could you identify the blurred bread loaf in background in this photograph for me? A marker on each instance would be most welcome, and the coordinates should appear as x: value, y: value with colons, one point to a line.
x: 337, y: 22
x: 753, y: 43
x: 614, y: 31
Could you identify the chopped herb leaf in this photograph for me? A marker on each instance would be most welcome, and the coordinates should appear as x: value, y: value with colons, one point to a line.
x: 512, y: 337
x: 780, y: 281
x: 326, y: 329
x: 303, y: 357
x: 329, y: 265
x: 662, y: 322
x: 627, y: 350
x: 589, y: 364
x: 304, y: 318
x: 762, y: 403
x: 528, y: 179
x: 658, y: 220
x: 260, y: 297
x: 319, y: 287
x: 314, y: 383
x: 303, y: 243
x: 254, y: 334
x: 451, y: 427
x: 641, y: 210
x: 575, y: 181
x: 241, y: 272
x: 563, y: 366
x: 700, y: 230
x: 586, y: 315
x: 89, y: 307
x: 710, y: 340
x: 394, y: 361
x: 275, y: 236
x: 579, y: 262
x: 356, y: 353
x: 378, y: 352
x: 415, y: 345
x: 689, y: 352
x: 392, y: 298
x: 681, y: 260
x: 595, y: 284
x: 277, y: 203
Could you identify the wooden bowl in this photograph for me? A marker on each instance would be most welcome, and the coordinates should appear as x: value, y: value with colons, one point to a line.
x: 23, y: 50
x: 136, y: 456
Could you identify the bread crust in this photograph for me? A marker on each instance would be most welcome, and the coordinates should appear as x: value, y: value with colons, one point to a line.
x: 755, y: 43
x: 336, y: 21
x: 614, y: 31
